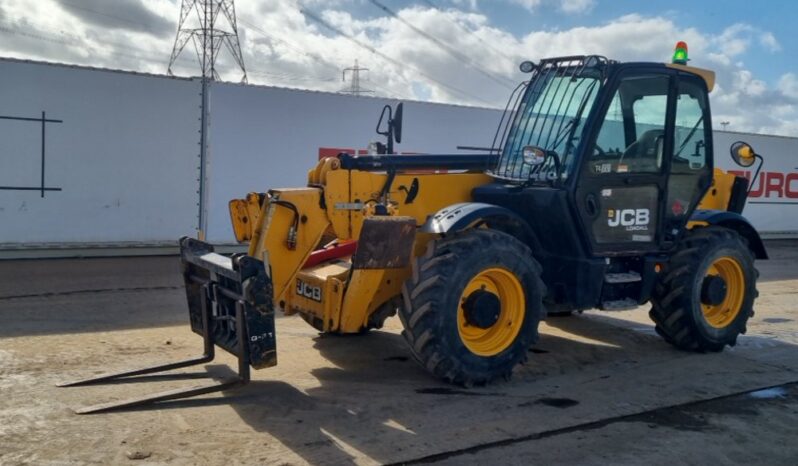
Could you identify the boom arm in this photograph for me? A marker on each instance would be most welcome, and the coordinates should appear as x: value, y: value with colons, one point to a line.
x: 348, y: 198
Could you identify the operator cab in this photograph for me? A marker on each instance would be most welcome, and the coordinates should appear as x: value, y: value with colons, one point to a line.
x: 606, y: 162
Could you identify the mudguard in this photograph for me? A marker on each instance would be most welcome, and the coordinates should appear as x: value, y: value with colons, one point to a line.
x: 736, y: 222
x: 463, y: 215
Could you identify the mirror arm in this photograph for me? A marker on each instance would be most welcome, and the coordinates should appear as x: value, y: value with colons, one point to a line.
x: 382, y: 117
x: 756, y: 173
x: 557, y: 168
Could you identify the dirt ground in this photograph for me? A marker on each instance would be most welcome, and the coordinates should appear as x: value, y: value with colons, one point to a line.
x: 599, y: 388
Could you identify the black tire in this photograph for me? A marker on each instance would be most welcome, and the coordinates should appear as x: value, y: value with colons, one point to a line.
x: 432, y: 303
x: 676, y: 301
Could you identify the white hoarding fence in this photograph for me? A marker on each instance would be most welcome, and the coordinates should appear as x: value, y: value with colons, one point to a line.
x: 117, y: 156
x: 94, y: 157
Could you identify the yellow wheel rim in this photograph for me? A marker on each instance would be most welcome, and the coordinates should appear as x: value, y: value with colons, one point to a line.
x: 499, y: 336
x: 721, y: 315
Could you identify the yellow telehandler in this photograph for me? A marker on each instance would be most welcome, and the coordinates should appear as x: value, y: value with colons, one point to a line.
x: 598, y: 191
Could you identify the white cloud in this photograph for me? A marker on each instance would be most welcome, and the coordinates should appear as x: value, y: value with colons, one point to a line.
x: 788, y: 84
x: 471, y: 4
x: 735, y: 39
x: 577, y: 6
x: 745, y: 83
x: 530, y: 5
x: 566, y: 6
x: 768, y: 40
x: 738, y: 38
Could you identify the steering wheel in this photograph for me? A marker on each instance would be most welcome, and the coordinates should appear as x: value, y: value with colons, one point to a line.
x: 601, y: 152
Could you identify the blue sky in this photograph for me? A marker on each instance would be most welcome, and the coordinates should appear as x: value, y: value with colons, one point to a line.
x: 455, y: 51
x: 711, y: 17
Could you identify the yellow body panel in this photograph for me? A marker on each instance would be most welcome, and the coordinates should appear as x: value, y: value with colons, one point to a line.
x: 242, y: 229
x: 707, y: 75
x: 368, y: 289
x: 435, y: 191
x: 322, y: 313
x: 270, y: 239
x: 244, y: 214
x: 718, y: 195
x: 696, y: 223
x: 348, y: 193
x: 336, y: 194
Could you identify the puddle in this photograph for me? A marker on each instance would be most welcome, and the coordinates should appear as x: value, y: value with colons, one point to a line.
x: 561, y: 403
x: 769, y: 393
x: 776, y: 320
x: 453, y: 391
x: 397, y: 358
x: 675, y: 419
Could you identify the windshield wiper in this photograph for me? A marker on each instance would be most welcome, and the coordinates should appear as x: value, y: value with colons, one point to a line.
x: 689, y: 136
x: 571, y: 123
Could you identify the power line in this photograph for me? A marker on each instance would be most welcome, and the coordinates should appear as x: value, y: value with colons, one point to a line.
x: 62, y: 38
x: 314, y: 17
x: 445, y: 47
x: 472, y: 33
x: 390, y: 93
x: 317, y: 57
x: 314, y: 56
x: 148, y: 27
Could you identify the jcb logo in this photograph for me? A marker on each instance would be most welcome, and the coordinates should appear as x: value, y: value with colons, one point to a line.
x: 632, y: 219
x: 308, y: 291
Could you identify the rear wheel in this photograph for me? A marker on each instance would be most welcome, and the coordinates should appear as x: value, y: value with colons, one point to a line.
x: 706, y: 293
x: 472, y: 307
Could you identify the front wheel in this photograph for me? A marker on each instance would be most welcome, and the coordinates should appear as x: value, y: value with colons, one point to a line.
x: 706, y: 292
x: 472, y: 307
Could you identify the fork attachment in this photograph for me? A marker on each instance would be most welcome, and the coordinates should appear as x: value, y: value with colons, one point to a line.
x: 230, y: 305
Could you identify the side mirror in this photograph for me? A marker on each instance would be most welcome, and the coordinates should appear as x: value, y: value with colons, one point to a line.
x: 396, y: 123
x: 533, y: 155
x: 393, y: 126
x: 743, y: 154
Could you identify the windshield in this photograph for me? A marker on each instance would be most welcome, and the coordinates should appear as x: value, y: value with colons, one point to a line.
x: 551, y: 116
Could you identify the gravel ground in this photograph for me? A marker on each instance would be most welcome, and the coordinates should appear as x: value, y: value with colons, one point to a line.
x: 599, y: 387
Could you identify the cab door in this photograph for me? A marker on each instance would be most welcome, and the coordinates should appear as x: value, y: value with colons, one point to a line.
x: 622, y: 184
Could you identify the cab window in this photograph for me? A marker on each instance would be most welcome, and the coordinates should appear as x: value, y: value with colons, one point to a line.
x: 689, y: 164
x: 632, y: 135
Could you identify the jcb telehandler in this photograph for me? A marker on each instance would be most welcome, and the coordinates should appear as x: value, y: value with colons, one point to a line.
x: 599, y: 191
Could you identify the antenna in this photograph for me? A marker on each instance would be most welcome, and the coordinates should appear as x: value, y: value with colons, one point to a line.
x: 206, y: 35
x: 354, y: 85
